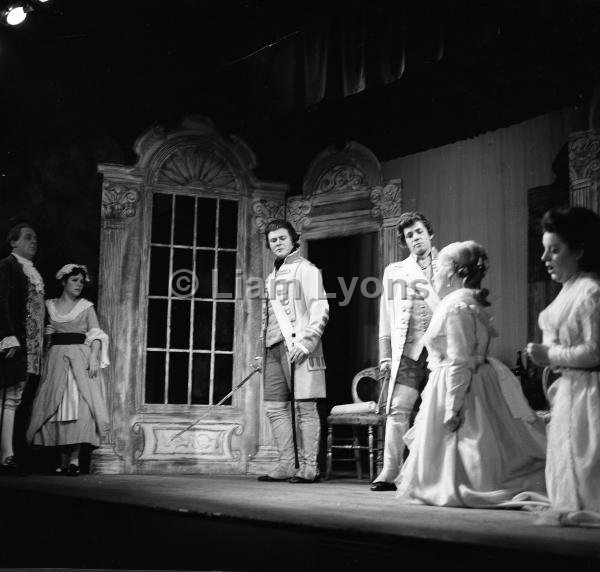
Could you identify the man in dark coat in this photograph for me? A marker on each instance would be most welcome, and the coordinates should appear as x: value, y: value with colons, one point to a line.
x: 21, y: 331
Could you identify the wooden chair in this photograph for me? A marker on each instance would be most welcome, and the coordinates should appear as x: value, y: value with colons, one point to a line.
x: 356, y: 415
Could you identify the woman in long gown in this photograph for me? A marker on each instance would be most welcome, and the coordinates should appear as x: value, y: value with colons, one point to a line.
x: 69, y: 407
x: 475, y: 441
x: 571, y: 346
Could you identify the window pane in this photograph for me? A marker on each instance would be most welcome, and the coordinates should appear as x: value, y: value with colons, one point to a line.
x: 202, y: 325
x: 226, y: 277
x: 184, y: 220
x: 228, y: 224
x: 178, y: 377
x: 180, y: 323
x: 205, y: 261
x: 200, y: 378
x: 207, y: 210
x: 155, y: 377
x: 159, y: 271
x: 182, y: 259
x: 223, y: 373
x: 157, y: 323
x: 182, y: 281
x: 224, y: 329
x: 161, y: 218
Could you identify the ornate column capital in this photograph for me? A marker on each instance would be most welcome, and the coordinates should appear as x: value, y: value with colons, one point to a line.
x: 297, y: 211
x: 584, y: 169
x: 266, y: 210
x: 119, y: 201
x: 387, y: 201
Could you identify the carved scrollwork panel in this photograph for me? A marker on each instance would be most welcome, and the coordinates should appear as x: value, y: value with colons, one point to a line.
x: 209, y: 442
x: 119, y: 200
x: 340, y: 177
x: 387, y: 201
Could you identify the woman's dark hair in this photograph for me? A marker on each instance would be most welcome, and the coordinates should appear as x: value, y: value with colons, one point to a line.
x: 579, y: 229
x: 77, y: 270
x: 280, y: 223
x: 15, y: 233
x: 408, y: 219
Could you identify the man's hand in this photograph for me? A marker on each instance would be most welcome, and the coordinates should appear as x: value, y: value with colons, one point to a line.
x: 385, y: 366
x: 297, y: 355
x: 257, y: 363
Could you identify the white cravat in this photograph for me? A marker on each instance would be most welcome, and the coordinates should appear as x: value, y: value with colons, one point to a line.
x: 31, y: 272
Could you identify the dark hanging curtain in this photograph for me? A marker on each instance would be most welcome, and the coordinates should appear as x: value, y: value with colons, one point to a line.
x: 340, y: 53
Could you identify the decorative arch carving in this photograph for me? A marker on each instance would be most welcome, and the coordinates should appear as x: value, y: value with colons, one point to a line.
x: 195, y: 154
x: 350, y: 168
x: 192, y: 164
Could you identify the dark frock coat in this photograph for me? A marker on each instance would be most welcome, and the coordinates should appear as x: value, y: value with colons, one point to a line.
x: 14, y: 288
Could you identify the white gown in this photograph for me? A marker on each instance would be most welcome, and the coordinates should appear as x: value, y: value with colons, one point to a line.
x: 498, y: 451
x: 571, y: 328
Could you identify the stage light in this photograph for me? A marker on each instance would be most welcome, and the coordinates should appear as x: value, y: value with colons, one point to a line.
x: 15, y: 14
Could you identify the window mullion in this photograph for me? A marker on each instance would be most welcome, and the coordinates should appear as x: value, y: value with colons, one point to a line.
x: 168, y: 345
x: 191, y: 356
x: 215, y: 286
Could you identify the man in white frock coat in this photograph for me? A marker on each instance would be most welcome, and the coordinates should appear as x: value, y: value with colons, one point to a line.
x: 405, y: 310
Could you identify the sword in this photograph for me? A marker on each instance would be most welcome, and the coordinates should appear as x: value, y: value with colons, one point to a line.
x: 293, y: 404
x: 255, y: 369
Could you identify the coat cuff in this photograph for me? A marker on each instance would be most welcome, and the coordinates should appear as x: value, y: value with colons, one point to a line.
x: 9, y: 342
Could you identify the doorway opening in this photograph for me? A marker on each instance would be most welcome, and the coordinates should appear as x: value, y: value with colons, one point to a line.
x: 350, y: 340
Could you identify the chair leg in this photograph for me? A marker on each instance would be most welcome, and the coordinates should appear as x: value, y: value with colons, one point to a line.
x: 370, y: 437
x: 329, y: 452
x: 356, y: 450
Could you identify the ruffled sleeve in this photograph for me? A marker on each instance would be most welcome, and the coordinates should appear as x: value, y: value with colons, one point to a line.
x: 587, y: 353
x: 95, y: 333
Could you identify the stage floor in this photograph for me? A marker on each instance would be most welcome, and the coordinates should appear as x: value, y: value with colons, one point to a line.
x: 342, y: 509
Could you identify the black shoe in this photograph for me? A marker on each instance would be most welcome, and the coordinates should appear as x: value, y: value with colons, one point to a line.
x: 382, y: 486
x: 302, y: 480
x: 268, y: 479
x: 73, y: 470
x: 11, y: 468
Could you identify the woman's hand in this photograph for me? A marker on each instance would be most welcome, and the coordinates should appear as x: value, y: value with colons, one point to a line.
x: 94, y: 366
x: 453, y: 423
x: 539, y: 354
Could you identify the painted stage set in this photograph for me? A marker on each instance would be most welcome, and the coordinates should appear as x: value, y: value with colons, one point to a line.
x: 161, y: 498
x: 237, y: 523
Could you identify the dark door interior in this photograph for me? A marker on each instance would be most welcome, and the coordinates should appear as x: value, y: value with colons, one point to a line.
x: 350, y: 338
